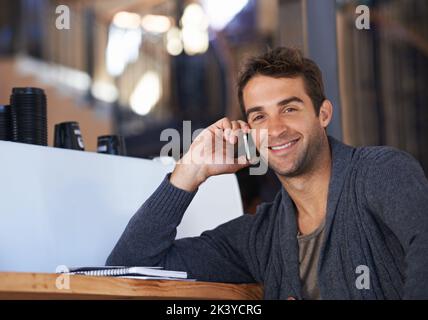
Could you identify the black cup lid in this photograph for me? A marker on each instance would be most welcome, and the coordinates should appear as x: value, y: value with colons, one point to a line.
x: 27, y: 90
x: 67, y: 123
x: 108, y: 137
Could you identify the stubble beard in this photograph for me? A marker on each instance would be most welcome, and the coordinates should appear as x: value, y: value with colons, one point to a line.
x: 305, y: 160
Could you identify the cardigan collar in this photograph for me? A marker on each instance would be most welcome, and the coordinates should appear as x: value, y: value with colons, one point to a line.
x: 341, y: 158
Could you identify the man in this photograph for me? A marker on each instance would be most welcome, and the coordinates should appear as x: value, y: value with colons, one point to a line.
x: 349, y: 223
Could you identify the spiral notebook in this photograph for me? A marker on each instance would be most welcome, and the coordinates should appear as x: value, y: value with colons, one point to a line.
x: 128, y: 272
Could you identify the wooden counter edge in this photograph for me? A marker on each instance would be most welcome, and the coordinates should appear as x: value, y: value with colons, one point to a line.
x: 20, y: 285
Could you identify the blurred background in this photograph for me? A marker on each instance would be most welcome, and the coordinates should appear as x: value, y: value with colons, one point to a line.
x: 136, y: 67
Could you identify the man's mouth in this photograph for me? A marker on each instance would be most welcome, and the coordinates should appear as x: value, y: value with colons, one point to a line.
x: 284, y: 146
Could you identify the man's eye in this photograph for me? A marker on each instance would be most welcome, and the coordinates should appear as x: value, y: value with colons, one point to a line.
x: 287, y: 110
x: 259, y: 117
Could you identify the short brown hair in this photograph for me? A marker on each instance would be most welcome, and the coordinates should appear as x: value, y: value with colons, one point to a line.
x: 284, y: 62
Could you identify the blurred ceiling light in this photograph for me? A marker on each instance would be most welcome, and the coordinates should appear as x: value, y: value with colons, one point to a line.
x: 54, y: 74
x: 174, y: 46
x: 194, y: 16
x: 123, y: 47
x: 195, y: 41
x: 146, y: 94
x: 195, y: 30
x: 104, y: 91
x: 156, y: 23
x: 127, y: 20
x: 75, y: 79
x: 221, y: 12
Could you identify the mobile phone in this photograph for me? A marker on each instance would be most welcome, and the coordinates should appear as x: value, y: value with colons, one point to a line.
x: 246, y: 146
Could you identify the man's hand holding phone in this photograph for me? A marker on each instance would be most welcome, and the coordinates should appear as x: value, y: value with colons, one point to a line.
x: 211, y: 153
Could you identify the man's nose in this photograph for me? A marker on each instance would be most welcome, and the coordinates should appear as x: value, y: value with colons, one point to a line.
x: 276, y: 127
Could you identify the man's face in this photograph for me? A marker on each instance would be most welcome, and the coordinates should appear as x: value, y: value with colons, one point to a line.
x: 294, y: 131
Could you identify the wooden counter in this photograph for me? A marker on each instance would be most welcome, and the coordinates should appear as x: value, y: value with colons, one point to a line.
x: 44, y: 286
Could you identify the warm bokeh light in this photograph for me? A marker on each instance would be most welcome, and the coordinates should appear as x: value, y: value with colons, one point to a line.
x: 156, y: 23
x: 195, y: 30
x: 146, y: 94
x: 127, y: 20
x: 104, y: 91
x: 195, y: 41
x: 174, y: 45
x: 194, y: 16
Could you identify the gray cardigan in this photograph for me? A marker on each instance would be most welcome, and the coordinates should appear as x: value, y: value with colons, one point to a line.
x: 377, y: 216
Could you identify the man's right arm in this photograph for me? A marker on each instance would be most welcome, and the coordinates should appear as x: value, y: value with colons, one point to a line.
x: 221, y: 254
x: 218, y: 255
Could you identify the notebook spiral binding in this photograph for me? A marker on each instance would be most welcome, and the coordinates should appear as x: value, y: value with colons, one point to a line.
x: 129, y: 271
x: 105, y: 273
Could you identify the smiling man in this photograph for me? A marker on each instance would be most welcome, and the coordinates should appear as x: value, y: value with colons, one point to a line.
x: 343, y: 214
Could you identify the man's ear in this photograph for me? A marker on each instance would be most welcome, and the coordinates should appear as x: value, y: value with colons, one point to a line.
x: 326, y: 113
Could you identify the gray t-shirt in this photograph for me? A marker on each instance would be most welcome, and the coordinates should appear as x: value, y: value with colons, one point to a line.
x: 309, y: 252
